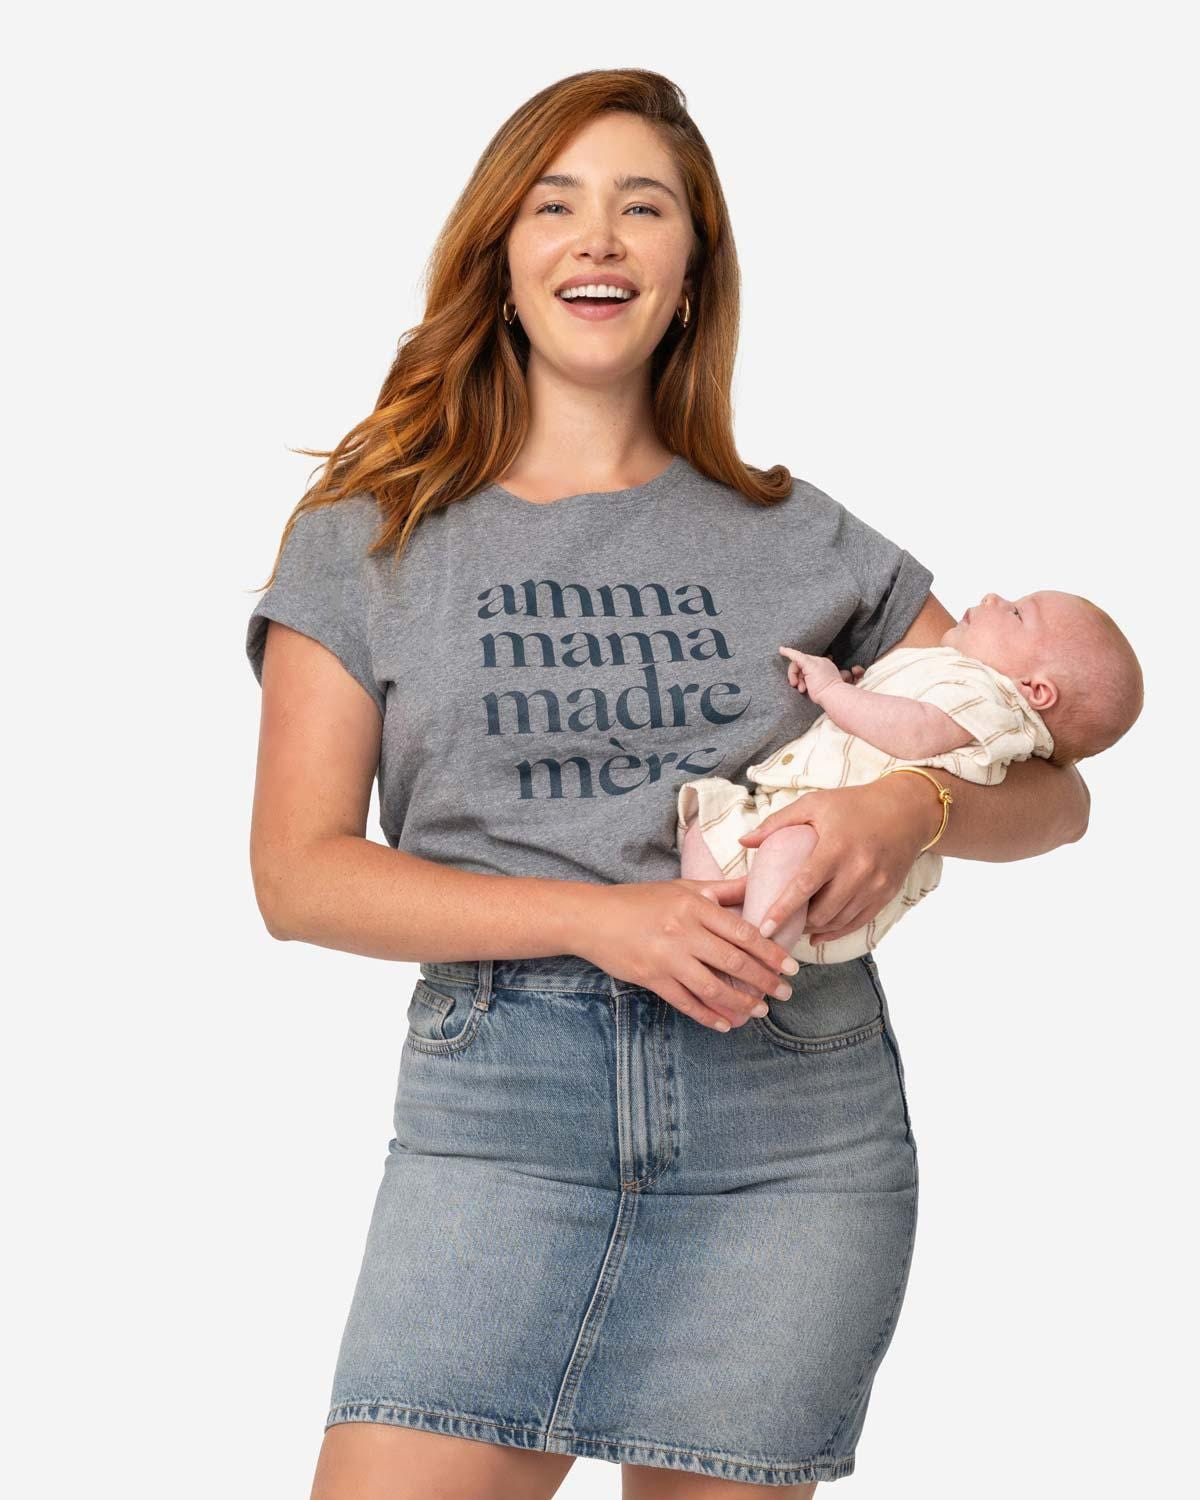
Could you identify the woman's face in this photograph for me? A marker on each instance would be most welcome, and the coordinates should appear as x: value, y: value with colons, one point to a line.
x: 608, y: 225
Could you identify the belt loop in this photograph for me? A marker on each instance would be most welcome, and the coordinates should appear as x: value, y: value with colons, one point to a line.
x: 483, y: 992
x: 614, y: 990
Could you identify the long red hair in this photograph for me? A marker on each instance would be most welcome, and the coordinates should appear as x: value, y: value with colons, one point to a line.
x: 453, y: 412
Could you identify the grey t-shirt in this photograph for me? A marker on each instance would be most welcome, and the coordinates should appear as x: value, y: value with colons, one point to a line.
x: 548, y: 674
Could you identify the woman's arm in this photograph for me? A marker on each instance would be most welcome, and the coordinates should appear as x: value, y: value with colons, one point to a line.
x: 1034, y: 809
x: 319, y: 879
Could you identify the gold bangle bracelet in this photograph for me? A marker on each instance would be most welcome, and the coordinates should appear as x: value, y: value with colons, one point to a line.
x: 944, y: 798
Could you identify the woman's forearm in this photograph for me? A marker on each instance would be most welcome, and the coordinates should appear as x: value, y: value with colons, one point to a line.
x: 357, y: 896
x: 1037, y: 807
x: 349, y: 893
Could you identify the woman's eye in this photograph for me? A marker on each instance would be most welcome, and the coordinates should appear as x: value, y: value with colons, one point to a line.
x: 646, y: 206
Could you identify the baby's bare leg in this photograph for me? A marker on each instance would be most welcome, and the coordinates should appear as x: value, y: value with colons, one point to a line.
x: 697, y: 861
x: 776, y: 861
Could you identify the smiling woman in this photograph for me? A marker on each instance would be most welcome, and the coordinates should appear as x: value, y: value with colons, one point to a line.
x: 628, y: 1211
x: 633, y: 284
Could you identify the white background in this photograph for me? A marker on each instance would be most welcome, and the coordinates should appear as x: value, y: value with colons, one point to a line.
x: 970, y: 314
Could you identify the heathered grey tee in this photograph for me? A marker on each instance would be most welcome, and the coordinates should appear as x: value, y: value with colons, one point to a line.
x: 548, y: 674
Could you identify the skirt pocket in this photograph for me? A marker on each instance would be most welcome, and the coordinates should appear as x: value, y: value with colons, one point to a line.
x: 444, y: 1014
x: 832, y: 1006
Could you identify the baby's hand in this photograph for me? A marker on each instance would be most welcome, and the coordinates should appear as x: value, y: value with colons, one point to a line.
x: 813, y: 674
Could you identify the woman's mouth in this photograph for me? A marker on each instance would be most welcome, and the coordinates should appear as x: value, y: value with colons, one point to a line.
x: 593, y: 308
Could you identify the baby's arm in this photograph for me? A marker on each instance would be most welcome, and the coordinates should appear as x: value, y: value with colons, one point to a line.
x: 902, y: 727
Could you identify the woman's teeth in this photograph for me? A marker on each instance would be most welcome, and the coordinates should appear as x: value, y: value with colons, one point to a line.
x: 598, y: 291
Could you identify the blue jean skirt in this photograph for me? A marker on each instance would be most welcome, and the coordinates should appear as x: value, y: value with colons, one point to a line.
x: 604, y: 1229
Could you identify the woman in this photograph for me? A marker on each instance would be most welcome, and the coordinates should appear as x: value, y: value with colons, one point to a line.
x: 628, y: 1210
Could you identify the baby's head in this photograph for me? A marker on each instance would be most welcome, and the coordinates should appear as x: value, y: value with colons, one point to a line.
x: 1068, y: 658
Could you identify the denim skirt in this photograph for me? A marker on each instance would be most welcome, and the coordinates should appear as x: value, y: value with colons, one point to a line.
x: 604, y: 1229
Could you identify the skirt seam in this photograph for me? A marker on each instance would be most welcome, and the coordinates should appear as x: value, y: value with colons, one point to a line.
x: 715, y: 1462
x: 873, y: 1359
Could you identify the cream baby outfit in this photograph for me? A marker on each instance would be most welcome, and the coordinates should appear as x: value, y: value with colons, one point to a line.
x: 985, y: 702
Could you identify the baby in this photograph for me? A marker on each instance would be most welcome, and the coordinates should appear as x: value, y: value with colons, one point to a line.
x: 1049, y: 674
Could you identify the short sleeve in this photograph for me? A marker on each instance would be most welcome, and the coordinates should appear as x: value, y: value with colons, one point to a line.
x: 322, y: 588
x: 991, y: 708
x: 891, y: 586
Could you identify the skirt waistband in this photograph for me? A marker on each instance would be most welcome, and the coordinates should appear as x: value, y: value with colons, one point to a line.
x: 561, y: 971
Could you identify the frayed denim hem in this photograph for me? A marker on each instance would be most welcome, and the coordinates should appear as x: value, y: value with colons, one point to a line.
x: 585, y: 1445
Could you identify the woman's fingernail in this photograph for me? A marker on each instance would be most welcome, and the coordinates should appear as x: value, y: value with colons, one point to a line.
x: 768, y: 927
x: 789, y: 966
x: 720, y: 1025
x: 782, y: 992
x: 761, y: 1009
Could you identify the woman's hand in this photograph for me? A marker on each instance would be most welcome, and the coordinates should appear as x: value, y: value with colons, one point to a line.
x: 867, y: 839
x: 674, y: 937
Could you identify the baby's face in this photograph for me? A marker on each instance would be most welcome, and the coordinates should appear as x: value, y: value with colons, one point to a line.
x: 1012, y: 635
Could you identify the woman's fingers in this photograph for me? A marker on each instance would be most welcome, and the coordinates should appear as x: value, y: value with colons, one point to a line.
x: 682, y: 999
x: 745, y: 937
x: 852, y: 887
x: 715, y: 993
x: 756, y: 968
x: 722, y: 948
x: 724, y: 892
x: 835, y: 919
x: 790, y: 899
x: 784, y: 818
x: 849, y: 918
x: 860, y: 909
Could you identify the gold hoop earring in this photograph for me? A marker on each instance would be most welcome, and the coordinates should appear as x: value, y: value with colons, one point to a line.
x: 685, y: 317
x: 504, y: 312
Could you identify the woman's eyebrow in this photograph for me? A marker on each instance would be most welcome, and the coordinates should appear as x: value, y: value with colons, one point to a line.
x: 630, y: 182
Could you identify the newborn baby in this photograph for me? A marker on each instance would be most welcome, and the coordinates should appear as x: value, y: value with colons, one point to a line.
x: 1049, y: 674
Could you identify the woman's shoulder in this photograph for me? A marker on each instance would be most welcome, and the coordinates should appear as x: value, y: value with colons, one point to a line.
x: 351, y: 517
x: 808, y: 517
x: 803, y: 503
x: 344, y: 525
x: 338, y: 534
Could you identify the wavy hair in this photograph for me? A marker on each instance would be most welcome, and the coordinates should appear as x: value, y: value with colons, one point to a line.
x: 453, y: 412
